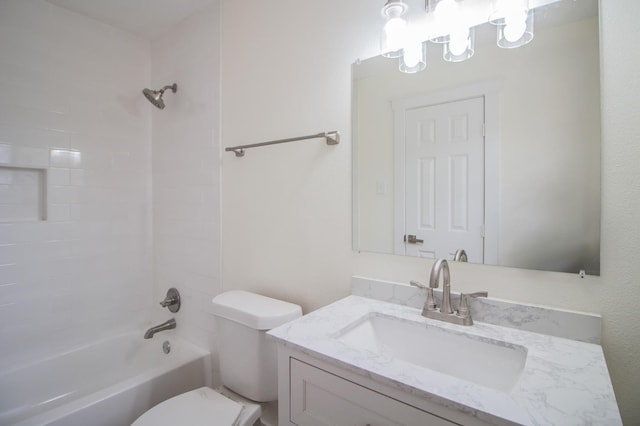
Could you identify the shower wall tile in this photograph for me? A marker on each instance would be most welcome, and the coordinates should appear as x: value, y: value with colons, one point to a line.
x: 71, y: 105
x: 186, y: 169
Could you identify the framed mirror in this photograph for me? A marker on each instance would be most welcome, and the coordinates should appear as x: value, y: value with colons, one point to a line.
x: 515, y: 176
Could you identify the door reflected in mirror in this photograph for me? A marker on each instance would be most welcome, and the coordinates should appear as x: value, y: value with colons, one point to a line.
x: 498, y: 155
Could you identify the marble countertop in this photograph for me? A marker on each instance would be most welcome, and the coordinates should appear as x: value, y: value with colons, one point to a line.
x: 564, y: 382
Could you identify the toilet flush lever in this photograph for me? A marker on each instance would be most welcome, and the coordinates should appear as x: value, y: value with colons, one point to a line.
x: 172, y: 301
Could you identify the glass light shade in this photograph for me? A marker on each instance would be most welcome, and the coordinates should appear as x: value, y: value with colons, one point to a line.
x: 414, y: 58
x: 394, y: 32
x: 461, y: 45
x: 516, y: 31
x: 393, y: 37
x: 440, y: 40
x: 444, y: 12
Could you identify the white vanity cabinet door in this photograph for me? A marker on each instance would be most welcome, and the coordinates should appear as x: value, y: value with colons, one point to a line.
x: 319, y: 398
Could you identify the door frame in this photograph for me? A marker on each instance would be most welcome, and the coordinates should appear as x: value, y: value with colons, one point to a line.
x: 490, y: 91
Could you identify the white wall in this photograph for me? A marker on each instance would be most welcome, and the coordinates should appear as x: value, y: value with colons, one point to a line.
x: 85, y: 272
x: 286, y: 215
x: 287, y: 209
x: 186, y: 172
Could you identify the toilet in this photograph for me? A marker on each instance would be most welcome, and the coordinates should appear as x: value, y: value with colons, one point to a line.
x: 248, y: 366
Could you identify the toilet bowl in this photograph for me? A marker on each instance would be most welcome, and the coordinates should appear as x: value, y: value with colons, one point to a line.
x: 248, y: 366
x: 202, y: 407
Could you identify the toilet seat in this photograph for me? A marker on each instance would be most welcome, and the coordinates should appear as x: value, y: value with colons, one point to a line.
x: 200, y: 407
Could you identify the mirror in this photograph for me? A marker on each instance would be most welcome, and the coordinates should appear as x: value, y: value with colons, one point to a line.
x: 536, y: 197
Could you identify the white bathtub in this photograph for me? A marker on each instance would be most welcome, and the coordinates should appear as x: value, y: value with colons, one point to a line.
x: 109, y: 383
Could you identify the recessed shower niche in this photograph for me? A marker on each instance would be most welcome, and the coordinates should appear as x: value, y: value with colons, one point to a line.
x: 22, y: 194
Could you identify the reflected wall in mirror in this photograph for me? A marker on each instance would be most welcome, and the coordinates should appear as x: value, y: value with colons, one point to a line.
x: 534, y: 181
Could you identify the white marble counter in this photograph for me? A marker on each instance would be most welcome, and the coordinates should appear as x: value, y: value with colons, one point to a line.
x: 539, y: 319
x: 564, y: 382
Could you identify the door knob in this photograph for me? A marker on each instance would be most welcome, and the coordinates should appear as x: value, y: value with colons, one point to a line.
x: 411, y: 239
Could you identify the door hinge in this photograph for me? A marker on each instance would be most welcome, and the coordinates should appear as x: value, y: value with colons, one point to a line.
x: 482, y: 231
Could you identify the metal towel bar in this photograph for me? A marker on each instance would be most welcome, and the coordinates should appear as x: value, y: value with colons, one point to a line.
x: 332, y: 138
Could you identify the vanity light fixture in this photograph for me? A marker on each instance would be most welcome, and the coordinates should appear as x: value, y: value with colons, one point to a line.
x: 452, y: 24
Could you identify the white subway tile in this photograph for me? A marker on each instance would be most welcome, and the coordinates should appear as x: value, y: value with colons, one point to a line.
x: 65, y: 158
x: 58, y: 176
x: 58, y: 212
x: 23, y: 156
x: 24, y: 116
x: 8, y: 254
x: 63, y: 194
x: 22, y: 136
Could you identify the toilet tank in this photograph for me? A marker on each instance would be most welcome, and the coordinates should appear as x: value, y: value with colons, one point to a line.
x: 248, y: 364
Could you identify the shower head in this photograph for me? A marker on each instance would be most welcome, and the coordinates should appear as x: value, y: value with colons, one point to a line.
x: 155, y: 96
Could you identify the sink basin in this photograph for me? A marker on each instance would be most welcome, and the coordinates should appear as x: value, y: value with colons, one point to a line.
x: 486, y: 362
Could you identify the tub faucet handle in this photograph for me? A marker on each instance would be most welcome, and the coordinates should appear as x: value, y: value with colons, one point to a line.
x: 172, y: 301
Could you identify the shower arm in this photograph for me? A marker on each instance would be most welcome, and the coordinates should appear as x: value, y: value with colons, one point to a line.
x: 173, y: 87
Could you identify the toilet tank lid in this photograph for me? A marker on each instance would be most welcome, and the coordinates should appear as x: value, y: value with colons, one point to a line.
x: 254, y: 310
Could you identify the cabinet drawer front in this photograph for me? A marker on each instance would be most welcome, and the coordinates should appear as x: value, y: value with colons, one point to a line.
x: 320, y: 398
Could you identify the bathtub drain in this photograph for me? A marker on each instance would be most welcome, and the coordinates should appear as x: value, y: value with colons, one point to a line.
x: 166, y: 347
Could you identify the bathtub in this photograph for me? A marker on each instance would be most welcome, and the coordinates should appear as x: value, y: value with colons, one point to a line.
x: 109, y: 383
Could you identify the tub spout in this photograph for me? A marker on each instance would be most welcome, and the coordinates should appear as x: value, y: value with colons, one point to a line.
x: 167, y: 325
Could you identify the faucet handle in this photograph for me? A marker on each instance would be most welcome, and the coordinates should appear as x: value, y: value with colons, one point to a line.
x: 430, y: 303
x: 418, y: 284
x: 172, y: 301
x: 463, y: 307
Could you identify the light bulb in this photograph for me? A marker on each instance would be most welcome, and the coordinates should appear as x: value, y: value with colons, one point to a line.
x: 414, y: 58
x: 446, y: 14
x: 412, y: 54
x: 459, y: 41
x: 515, y: 26
x: 516, y: 29
x: 394, y: 31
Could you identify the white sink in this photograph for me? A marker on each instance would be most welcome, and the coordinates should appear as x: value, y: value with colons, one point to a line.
x: 486, y: 362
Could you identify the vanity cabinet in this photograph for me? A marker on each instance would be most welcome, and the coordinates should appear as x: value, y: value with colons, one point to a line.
x: 313, y: 392
x: 320, y: 398
x: 361, y: 361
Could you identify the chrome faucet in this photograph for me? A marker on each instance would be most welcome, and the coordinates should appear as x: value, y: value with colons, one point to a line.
x: 462, y: 316
x: 167, y: 325
x: 434, y: 278
x: 460, y: 256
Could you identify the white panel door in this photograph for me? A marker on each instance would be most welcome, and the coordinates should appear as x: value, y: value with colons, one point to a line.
x: 444, y: 179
